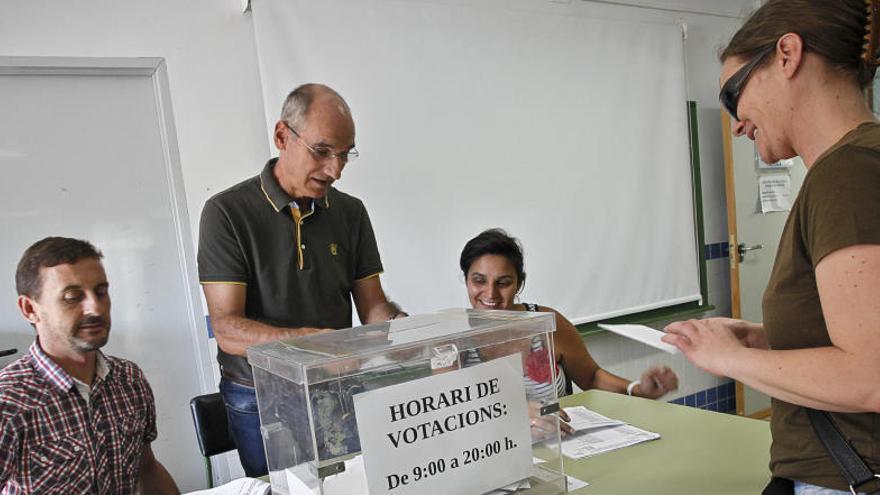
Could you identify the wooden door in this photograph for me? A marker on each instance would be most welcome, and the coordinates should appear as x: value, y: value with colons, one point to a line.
x: 754, y: 238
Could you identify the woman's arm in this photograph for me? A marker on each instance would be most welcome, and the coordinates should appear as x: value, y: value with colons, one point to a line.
x: 841, y: 377
x: 577, y: 362
x: 583, y: 370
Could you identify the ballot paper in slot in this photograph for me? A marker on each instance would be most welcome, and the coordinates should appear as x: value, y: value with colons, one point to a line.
x: 643, y: 334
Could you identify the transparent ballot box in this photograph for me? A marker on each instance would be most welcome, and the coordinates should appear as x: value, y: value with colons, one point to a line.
x: 458, y: 402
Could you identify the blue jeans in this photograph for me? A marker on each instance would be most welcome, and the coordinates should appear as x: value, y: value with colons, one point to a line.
x: 244, y: 426
x: 808, y: 489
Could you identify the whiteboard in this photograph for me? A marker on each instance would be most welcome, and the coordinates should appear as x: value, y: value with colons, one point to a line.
x: 88, y: 150
x: 569, y: 132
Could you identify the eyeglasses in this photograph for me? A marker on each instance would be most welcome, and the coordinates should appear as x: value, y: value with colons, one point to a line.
x: 323, y: 153
x: 733, y: 87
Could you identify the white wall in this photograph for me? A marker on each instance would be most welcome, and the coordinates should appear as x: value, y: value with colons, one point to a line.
x: 706, y: 34
x: 212, y: 67
x: 216, y: 95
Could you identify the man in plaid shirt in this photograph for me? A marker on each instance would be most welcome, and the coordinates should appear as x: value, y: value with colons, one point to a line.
x: 72, y: 420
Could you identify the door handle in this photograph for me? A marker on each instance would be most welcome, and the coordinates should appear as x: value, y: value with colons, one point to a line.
x: 742, y: 249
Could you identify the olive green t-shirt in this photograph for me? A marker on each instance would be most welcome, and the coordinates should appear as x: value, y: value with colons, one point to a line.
x: 838, y: 206
x: 298, y: 267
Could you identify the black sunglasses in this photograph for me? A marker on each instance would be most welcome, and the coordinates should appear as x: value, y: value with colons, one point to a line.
x: 733, y: 87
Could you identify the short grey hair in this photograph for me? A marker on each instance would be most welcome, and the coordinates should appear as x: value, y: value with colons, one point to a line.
x: 297, y: 104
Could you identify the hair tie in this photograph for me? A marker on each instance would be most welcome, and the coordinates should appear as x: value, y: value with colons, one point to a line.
x: 872, y: 33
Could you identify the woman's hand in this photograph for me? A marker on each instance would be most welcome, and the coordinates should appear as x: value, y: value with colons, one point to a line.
x: 749, y: 334
x: 711, y: 344
x: 656, y: 381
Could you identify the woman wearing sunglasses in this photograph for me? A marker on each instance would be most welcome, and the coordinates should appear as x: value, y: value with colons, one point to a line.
x: 794, y: 79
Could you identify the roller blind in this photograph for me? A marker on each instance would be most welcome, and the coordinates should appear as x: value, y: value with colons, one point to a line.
x: 569, y: 132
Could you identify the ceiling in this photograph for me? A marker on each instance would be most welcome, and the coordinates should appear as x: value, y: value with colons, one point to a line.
x: 731, y: 8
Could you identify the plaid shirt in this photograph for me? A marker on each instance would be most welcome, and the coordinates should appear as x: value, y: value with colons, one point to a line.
x: 52, y: 441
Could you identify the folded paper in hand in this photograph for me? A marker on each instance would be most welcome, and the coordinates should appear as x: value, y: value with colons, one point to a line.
x: 643, y: 334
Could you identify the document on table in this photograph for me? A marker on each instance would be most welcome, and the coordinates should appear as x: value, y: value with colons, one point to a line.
x: 585, y: 419
x: 570, y: 482
x: 643, y: 334
x: 541, y: 474
x: 574, y: 483
x: 600, y: 440
x: 511, y: 488
x: 241, y: 486
x: 571, y: 485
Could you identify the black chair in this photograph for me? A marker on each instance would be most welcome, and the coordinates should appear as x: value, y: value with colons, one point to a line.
x: 212, y: 429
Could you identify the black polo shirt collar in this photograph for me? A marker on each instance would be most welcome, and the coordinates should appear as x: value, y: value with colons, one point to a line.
x: 275, y: 194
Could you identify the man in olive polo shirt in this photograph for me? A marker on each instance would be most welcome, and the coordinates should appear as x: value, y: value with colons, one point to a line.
x: 283, y: 253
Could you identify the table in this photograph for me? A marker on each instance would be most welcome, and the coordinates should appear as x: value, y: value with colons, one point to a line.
x: 699, y: 452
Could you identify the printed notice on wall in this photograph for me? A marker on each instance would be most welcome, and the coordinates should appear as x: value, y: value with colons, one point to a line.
x: 781, y: 164
x: 775, y: 191
x: 464, y: 431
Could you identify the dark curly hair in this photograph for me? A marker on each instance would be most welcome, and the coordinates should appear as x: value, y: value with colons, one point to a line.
x: 494, y: 241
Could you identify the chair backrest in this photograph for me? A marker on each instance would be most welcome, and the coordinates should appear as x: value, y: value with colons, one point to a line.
x: 212, y: 429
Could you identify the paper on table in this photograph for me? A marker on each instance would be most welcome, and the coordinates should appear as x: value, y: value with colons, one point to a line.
x: 350, y: 481
x: 511, y: 488
x: 295, y: 483
x: 571, y: 484
x: 585, y: 419
x: 574, y: 483
x: 601, y: 440
x: 241, y: 486
x: 643, y: 334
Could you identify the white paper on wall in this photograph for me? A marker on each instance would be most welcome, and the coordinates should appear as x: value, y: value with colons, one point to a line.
x: 775, y: 192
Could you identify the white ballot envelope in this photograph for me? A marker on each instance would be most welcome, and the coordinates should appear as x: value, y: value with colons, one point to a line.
x: 643, y: 334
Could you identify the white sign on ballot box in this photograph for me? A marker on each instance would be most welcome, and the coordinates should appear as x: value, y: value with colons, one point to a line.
x: 464, y: 431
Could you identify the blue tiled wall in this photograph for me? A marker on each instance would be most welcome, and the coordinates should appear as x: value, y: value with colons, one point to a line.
x: 721, y: 398
x: 716, y: 250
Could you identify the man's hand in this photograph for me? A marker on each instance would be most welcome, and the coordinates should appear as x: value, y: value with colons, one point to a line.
x: 371, y: 302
